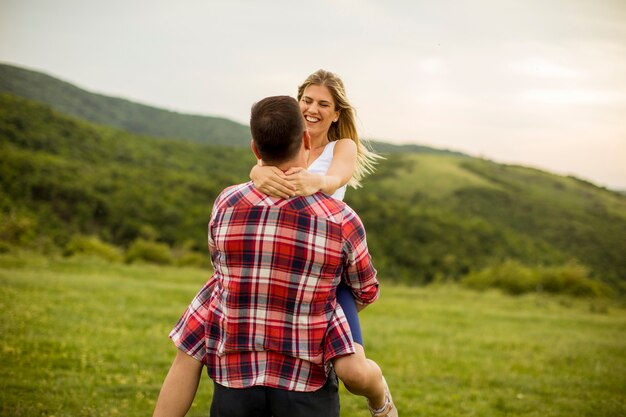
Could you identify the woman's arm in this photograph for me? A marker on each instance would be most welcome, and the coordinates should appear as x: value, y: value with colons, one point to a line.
x: 339, y: 173
x: 342, y: 166
x: 271, y: 181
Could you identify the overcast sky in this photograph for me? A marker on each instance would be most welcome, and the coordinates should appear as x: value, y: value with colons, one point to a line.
x: 541, y: 83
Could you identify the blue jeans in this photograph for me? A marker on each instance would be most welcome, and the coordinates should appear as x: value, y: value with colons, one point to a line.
x: 345, y: 298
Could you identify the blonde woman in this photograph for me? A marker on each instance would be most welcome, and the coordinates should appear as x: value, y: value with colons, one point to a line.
x: 337, y: 158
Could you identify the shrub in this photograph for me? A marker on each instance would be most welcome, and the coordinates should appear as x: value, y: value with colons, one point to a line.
x: 573, y: 279
x: 92, y: 245
x: 194, y: 259
x: 510, y: 276
x: 17, y: 228
x: 185, y: 255
x: 515, y: 278
x: 148, y: 232
x: 149, y: 251
x: 4, y: 247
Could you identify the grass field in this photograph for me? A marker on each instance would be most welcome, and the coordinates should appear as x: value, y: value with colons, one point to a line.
x: 81, y: 337
x: 436, y: 176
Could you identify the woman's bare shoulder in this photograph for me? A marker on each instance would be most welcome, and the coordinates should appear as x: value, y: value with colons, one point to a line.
x: 345, y: 144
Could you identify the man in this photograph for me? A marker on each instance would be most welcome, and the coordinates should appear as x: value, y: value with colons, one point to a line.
x: 267, y: 325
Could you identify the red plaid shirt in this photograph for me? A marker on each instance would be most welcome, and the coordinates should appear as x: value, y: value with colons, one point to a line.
x: 268, y: 315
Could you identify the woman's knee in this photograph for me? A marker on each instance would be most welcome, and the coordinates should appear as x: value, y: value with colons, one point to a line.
x: 354, y: 373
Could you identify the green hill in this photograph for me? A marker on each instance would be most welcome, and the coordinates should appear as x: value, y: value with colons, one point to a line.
x: 462, y: 213
x: 120, y: 113
x: 429, y: 217
x: 387, y: 148
x: 142, y: 119
x: 62, y: 176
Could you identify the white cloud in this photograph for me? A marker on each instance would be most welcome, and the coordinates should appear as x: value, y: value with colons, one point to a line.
x: 508, y: 79
x: 574, y: 97
x: 544, y: 68
x: 431, y: 65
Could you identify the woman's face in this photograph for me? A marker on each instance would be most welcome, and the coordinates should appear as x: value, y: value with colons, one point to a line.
x: 318, y: 108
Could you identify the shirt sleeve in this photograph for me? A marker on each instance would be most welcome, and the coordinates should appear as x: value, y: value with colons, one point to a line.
x: 359, y: 273
x: 217, y: 204
x: 189, y: 333
x: 211, y: 242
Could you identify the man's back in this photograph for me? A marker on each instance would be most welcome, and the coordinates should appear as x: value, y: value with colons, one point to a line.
x: 277, y: 264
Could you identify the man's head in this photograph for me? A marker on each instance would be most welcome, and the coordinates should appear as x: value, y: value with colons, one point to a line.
x: 277, y: 129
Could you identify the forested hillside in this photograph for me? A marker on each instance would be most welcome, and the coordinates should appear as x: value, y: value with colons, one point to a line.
x: 429, y: 217
x: 120, y: 113
x: 441, y: 216
x: 61, y: 176
x: 142, y: 119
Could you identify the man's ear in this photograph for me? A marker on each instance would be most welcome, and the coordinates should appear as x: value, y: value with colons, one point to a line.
x: 306, y: 140
x: 254, y: 149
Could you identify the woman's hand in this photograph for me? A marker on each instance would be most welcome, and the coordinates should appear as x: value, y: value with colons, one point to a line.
x: 272, y: 181
x: 304, y: 182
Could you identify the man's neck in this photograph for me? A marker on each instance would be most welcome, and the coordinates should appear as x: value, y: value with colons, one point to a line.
x: 300, y: 161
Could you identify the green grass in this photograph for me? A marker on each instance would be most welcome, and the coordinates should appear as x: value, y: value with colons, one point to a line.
x: 435, y: 176
x: 81, y: 337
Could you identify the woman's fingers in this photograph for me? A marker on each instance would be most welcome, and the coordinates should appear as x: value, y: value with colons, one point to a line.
x: 277, y: 187
x: 305, y: 182
x: 293, y: 170
x: 282, y: 192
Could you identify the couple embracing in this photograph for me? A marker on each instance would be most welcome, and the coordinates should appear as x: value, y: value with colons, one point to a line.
x: 277, y: 323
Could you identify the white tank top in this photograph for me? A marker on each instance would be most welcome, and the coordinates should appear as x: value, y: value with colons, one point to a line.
x: 321, y: 165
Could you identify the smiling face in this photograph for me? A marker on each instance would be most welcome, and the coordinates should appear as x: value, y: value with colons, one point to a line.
x: 318, y: 108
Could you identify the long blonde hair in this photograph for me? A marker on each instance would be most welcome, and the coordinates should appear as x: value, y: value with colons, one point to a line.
x: 345, y: 127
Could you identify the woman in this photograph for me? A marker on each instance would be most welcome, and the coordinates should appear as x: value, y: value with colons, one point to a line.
x: 337, y: 158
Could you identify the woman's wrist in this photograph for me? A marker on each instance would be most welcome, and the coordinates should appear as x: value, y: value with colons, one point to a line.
x: 330, y: 184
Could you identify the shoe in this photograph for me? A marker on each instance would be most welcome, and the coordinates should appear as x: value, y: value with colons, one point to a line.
x: 389, y: 410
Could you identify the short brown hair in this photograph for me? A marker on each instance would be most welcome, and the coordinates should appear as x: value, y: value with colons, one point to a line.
x: 277, y: 125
